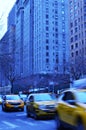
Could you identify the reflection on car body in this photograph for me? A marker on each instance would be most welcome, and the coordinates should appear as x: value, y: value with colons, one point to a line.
x: 71, y: 109
x: 12, y: 102
x: 0, y: 99
x: 40, y: 105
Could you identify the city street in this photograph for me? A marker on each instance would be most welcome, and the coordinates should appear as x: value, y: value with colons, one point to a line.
x: 18, y: 120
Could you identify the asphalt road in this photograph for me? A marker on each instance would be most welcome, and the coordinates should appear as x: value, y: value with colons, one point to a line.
x: 19, y: 121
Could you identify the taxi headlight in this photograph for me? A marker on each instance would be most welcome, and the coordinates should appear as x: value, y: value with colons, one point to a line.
x: 7, y: 102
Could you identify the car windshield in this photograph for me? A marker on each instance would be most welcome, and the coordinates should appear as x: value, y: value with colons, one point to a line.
x: 81, y: 97
x: 53, y: 96
x: 43, y: 97
x: 12, y: 97
x: 23, y: 95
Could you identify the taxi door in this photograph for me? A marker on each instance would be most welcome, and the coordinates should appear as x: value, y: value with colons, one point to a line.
x: 70, y: 107
x: 67, y: 106
x: 31, y: 104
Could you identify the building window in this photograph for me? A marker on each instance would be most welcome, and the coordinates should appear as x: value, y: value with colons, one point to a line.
x: 56, y: 60
x: 47, y: 16
x: 71, y: 25
x: 47, y: 47
x: 47, y: 28
x: 76, y: 37
x: 72, y: 54
x: 56, y: 35
x: 56, y: 23
x: 47, y: 60
x: 47, y: 34
x: 76, y: 53
x: 72, y: 39
x: 56, y: 29
x: 63, y: 12
x: 76, y: 45
x: 85, y: 25
x: 47, y: 53
x: 72, y: 47
x: 76, y: 29
x: 47, y: 40
x: 71, y: 32
x: 47, y: 22
x: 75, y: 22
x: 62, y: 1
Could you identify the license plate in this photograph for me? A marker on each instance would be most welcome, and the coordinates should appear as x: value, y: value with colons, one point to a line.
x: 16, y: 106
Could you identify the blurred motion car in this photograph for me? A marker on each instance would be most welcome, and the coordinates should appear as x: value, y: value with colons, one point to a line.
x: 40, y: 105
x: 12, y: 102
x: 71, y: 109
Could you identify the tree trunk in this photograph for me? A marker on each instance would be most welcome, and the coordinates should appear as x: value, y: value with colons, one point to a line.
x: 11, y: 87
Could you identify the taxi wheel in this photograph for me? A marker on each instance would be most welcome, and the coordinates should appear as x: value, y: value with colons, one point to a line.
x: 3, y: 108
x: 28, y: 114
x: 80, y: 126
x: 22, y: 109
x: 35, y: 115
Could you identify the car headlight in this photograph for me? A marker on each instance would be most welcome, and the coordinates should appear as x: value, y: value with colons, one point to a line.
x: 42, y: 107
x: 7, y: 102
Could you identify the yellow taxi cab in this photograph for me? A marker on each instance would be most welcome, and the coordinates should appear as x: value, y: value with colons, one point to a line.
x: 40, y: 105
x: 71, y: 109
x: 12, y: 102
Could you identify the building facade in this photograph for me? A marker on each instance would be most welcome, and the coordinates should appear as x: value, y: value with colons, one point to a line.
x: 78, y: 37
x: 39, y: 37
x: 42, y: 42
x: 4, y: 51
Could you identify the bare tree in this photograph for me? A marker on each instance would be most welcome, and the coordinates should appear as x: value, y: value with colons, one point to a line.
x: 7, y: 66
x: 78, y: 68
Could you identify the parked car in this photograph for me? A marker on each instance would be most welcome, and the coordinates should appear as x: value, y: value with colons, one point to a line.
x: 12, y: 102
x: 40, y: 105
x: 71, y: 109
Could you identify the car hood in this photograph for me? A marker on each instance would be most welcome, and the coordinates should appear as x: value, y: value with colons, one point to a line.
x: 46, y: 103
x: 15, y: 101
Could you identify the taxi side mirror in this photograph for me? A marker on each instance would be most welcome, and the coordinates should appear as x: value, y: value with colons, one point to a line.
x: 4, y: 97
x: 31, y: 100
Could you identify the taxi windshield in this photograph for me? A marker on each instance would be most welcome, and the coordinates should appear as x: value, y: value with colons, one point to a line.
x: 81, y: 97
x: 14, y: 97
x: 43, y: 97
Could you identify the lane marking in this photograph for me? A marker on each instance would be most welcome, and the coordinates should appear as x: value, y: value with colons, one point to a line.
x: 21, y: 114
x: 26, y: 122
x: 47, y: 121
x: 9, y: 124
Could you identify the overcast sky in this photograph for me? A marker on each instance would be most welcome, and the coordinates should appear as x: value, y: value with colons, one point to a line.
x: 5, y: 7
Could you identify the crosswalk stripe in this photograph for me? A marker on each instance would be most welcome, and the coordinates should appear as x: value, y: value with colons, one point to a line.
x: 48, y: 122
x: 26, y: 122
x: 21, y: 114
x: 10, y: 124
